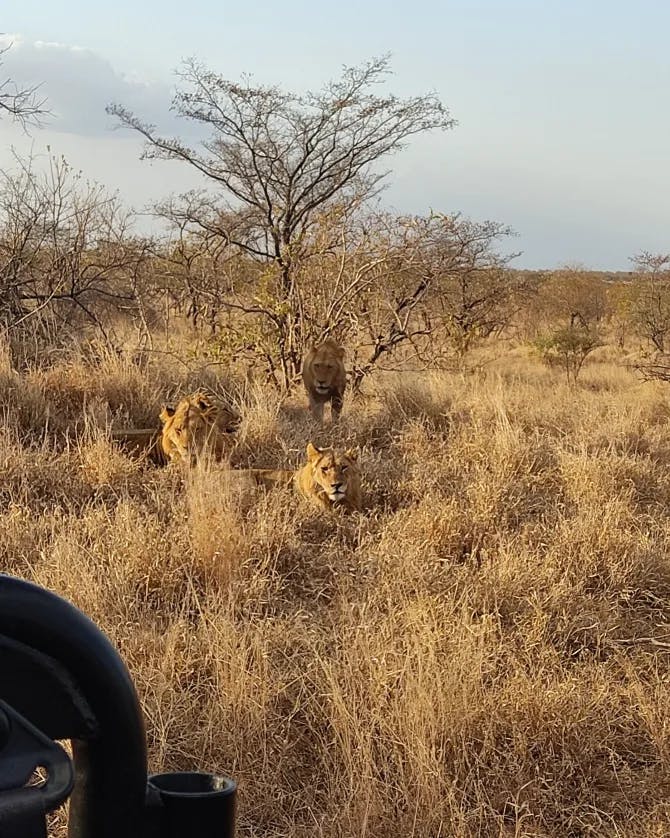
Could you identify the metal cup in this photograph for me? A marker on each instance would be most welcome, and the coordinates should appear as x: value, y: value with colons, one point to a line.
x: 194, y: 804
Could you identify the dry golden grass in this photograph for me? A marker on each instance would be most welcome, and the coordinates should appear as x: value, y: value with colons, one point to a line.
x: 484, y: 652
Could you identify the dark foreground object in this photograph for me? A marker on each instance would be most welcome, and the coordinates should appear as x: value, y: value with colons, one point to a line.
x: 60, y: 678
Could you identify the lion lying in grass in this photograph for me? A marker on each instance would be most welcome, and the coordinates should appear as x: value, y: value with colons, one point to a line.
x: 196, y: 426
x: 141, y: 442
x: 329, y: 479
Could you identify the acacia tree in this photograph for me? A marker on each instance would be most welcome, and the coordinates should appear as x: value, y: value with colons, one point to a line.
x: 477, y: 293
x: 649, y: 302
x: 571, y: 304
x: 574, y: 295
x: 651, y: 298
x: 65, y: 249
x: 278, y: 159
x: 194, y: 272
x: 429, y: 276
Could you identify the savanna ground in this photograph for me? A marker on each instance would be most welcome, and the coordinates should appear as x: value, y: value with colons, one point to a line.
x: 483, y: 652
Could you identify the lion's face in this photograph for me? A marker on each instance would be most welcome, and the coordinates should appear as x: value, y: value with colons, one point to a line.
x: 195, y: 425
x: 326, y: 364
x: 336, y: 473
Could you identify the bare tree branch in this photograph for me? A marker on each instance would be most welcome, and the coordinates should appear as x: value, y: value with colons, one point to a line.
x: 21, y: 104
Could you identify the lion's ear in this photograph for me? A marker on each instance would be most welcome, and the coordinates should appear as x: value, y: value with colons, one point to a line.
x: 313, y: 453
x: 352, y: 455
x: 166, y: 413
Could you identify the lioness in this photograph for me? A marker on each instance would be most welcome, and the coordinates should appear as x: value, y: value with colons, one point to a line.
x: 329, y: 479
x: 325, y: 378
x: 197, y: 425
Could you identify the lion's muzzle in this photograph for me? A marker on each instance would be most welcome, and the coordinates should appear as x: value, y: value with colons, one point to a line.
x: 338, y: 492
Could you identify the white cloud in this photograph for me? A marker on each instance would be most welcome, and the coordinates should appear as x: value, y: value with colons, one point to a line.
x: 78, y: 84
x: 9, y: 38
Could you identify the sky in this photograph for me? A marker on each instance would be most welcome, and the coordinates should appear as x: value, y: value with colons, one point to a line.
x: 562, y: 105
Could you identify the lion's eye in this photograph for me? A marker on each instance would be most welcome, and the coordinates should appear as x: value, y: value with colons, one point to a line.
x: 344, y: 468
x: 324, y: 469
x: 177, y: 430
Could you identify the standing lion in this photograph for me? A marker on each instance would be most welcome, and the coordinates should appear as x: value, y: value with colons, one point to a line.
x: 325, y: 378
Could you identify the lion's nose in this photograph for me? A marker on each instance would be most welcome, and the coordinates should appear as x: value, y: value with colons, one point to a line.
x: 336, y: 487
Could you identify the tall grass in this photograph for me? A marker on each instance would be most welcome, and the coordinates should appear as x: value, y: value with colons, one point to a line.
x: 483, y: 652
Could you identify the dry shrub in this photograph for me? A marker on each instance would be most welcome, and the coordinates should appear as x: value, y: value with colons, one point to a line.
x: 216, y: 526
x: 483, y: 652
x: 110, y: 390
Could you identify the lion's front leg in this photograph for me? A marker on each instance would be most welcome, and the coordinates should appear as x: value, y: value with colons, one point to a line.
x: 336, y: 406
x: 316, y: 409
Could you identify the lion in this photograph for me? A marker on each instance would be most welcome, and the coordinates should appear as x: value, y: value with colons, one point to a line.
x: 197, y: 425
x: 141, y: 442
x: 325, y: 378
x: 329, y: 479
